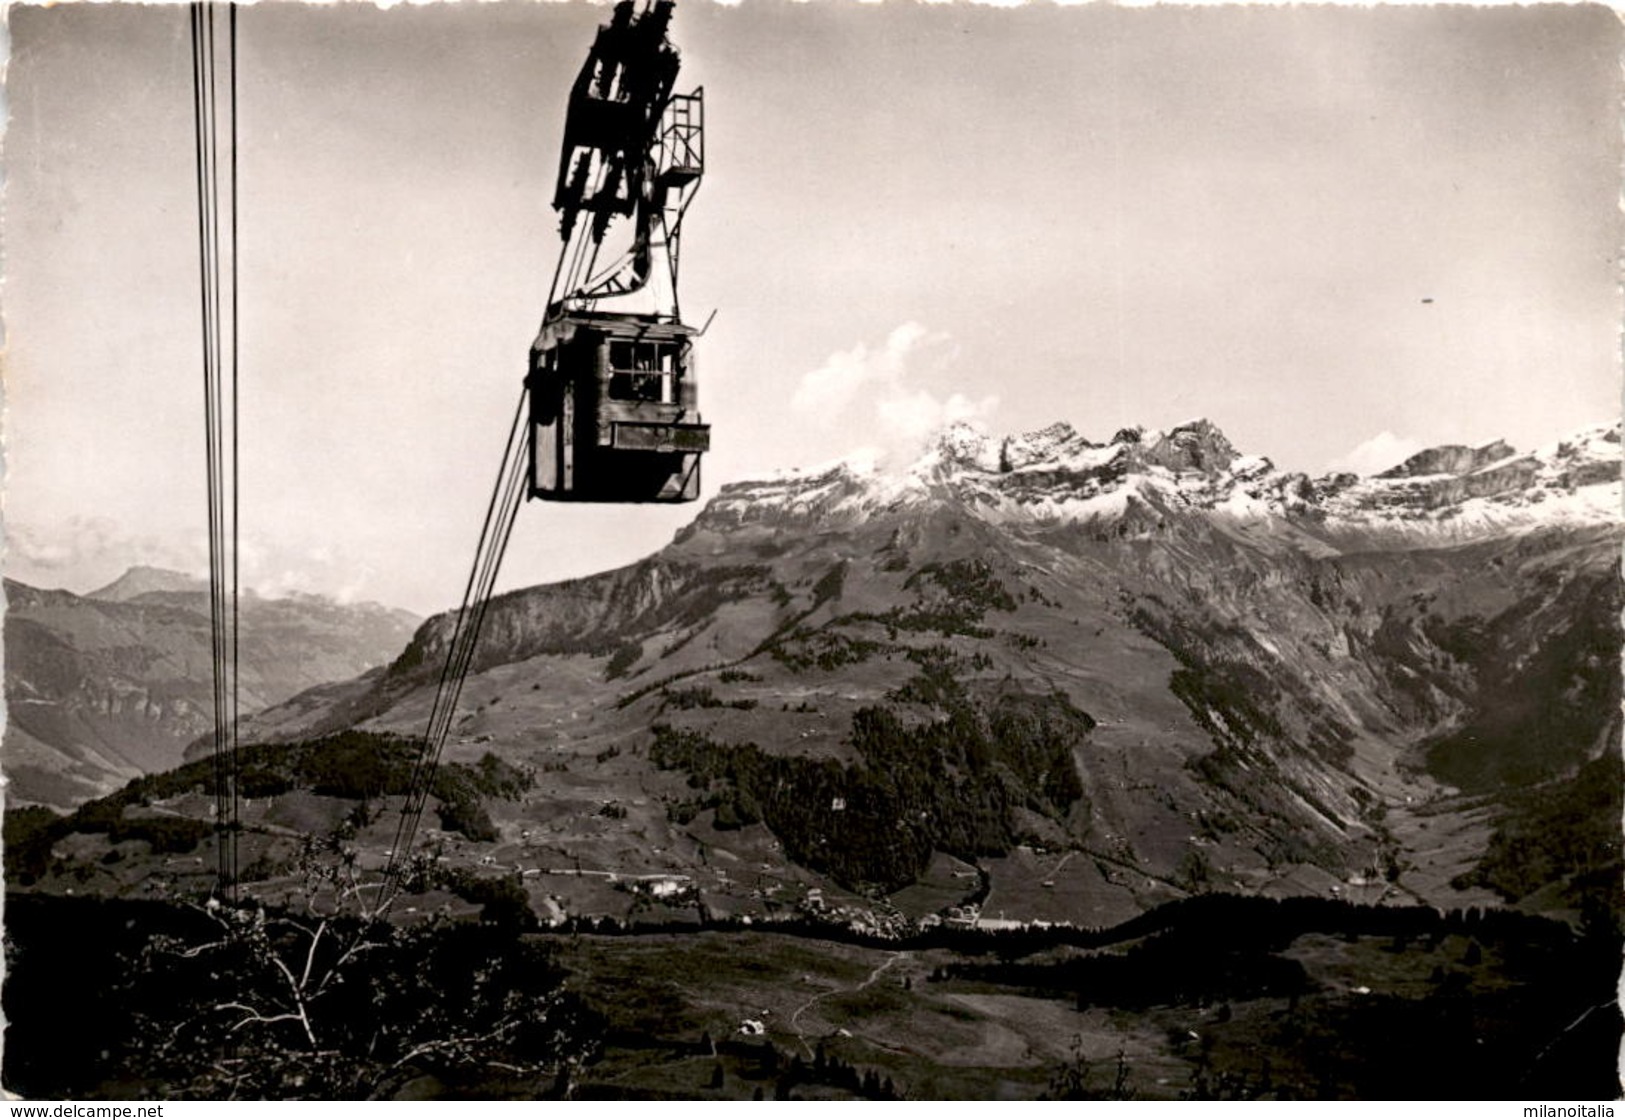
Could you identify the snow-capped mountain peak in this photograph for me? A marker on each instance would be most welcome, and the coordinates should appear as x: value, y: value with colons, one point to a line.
x: 1447, y: 494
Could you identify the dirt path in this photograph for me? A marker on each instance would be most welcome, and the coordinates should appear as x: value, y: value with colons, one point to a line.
x: 795, y: 1016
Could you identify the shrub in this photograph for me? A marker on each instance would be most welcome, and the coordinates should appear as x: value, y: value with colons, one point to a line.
x: 624, y: 657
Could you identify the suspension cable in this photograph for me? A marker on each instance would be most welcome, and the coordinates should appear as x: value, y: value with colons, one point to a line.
x: 576, y: 247
x: 236, y: 597
x: 219, y: 316
x: 507, y: 495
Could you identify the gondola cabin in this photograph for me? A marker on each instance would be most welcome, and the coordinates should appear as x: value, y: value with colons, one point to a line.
x: 613, y: 410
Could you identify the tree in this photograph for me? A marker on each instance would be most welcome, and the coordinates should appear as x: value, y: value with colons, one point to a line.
x: 326, y: 998
x: 1070, y: 1081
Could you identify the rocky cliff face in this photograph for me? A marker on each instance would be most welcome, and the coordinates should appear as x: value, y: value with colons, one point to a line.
x: 104, y: 687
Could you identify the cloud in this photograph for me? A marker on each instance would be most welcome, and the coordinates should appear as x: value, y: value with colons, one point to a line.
x: 902, y: 413
x: 829, y: 389
x: 82, y: 554
x: 1377, y: 454
x: 88, y: 552
x: 318, y: 570
x: 912, y: 418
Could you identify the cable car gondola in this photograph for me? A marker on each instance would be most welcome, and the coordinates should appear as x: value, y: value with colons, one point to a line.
x: 608, y: 412
x: 613, y: 392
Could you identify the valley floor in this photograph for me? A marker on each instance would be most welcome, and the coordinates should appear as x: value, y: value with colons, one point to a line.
x: 1328, y: 1016
x: 1210, y: 998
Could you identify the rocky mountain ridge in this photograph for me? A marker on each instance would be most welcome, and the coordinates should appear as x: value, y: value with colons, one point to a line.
x: 144, y: 579
x: 1447, y: 494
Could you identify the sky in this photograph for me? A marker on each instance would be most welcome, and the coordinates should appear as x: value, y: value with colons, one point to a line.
x: 1342, y: 234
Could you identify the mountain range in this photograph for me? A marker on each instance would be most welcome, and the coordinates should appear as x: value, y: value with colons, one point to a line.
x: 1062, y: 679
x: 105, y: 687
x: 1038, y: 677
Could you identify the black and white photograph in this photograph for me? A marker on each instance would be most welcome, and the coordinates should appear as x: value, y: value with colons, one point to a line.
x: 828, y: 550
